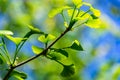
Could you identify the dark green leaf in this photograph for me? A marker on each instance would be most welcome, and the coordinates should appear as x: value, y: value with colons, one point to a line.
x: 63, y: 52
x: 19, y: 75
x: 76, y: 46
x: 68, y: 70
x: 1, y: 59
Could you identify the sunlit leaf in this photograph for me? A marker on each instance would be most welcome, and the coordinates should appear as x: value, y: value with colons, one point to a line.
x: 63, y: 52
x: 18, y: 75
x: 68, y: 70
x: 96, y: 12
x: 56, y: 11
x: 6, y: 32
x: 76, y: 46
x: 93, y: 23
x: 66, y: 24
x: 70, y: 12
x: 37, y: 50
x: 34, y: 30
x: 78, y: 3
x: 116, y: 73
x: 46, y: 38
x: 16, y: 40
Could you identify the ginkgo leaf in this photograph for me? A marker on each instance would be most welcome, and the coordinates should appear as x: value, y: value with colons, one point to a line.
x: 70, y: 12
x: 93, y: 23
x: 16, y: 40
x: 76, y: 46
x: 68, y: 70
x: 37, y: 50
x: 56, y: 11
x: 46, y: 38
x: 78, y: 3
x: 18, y: 75
x: 6, y: 32
x: 34, y: 30
x: 96, y: 12
x: 63, y: 52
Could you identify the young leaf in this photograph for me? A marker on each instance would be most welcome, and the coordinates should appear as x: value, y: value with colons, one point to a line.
x: 6, y: 32
x: 56, y: 11
x: 93, y: 23
x: 36, y: 49
x: 46, y: 38
x: 34, y: 30
x: 63, y: 52
x: 68, y: 70
x: 19, y: 75
x: 95, y: 12
x: 76, y: 46
x: 16, y: 40
x: 78, y: 3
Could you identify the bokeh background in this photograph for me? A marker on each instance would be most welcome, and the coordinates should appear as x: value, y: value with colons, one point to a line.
x: 100, y: 59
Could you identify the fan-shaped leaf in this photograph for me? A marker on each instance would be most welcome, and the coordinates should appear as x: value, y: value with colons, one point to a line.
x: 46, y: 38
x: 16, y: 40
x: 18, y: 75
x: 56, y: 11
x: 34, y: 30
x: 63, y: 52
x: 68, y: 70
x: 6, y: 32
x: 36, y: 49
x: 93, y: 23
x: 78, y: 3
x: 95, y: 12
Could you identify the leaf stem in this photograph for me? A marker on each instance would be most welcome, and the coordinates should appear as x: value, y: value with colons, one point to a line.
x: 6, y: 51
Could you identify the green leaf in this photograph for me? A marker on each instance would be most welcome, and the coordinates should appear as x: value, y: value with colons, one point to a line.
x: 56, y: 11
x: 6, y: 32
x: 37, y: 50
x: 63, y: 52
x: 70, y: 12
x: 46, y: 38
x: 68, y: 70
x: 1, y: 44
x: 76, y: 46
x: 18, y: 75
x: 93, y: 23
x: 95, y: 12
x: 78, y: 3
x: 34, y: 30
x: 116, y: 73
x: 16, y: 40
